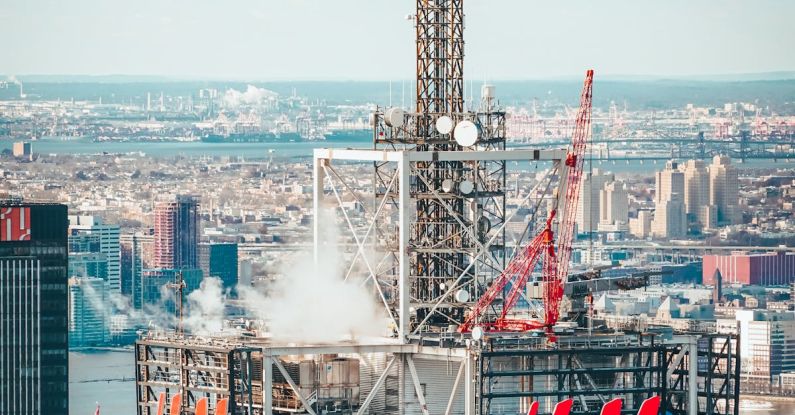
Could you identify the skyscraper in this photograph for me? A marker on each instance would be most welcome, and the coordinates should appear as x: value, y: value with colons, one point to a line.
x: 33, y: 309
x: 724, y: 190
x: 669, y: 181
x: 177, y: 233
x: 88, y: 325
x: 696, y: 193
x: 613, y: 206
x: 108, y: 237
x: 588, y: 207
x: 220, y: 260
x: 136, y: 255
x: 670, y: 216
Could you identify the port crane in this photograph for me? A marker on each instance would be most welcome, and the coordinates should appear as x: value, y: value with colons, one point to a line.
x: 542, y: 248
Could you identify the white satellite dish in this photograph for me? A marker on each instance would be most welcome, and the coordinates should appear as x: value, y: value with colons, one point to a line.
x: 466, y: 187
x: 394, y: 117
x: 466, y: 133
x: 447, y: 185
x: 444, y: 124
x: 477, y: 333
x: 462, y: 296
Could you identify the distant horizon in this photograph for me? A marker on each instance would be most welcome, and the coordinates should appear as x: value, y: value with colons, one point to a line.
x: 783, y: 75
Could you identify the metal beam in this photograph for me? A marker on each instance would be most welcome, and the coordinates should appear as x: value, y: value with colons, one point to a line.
x: 428, y: 156
x: 417, y: 387
x: 455, y: 389
x: 376, y: 386
x: 294, y: 387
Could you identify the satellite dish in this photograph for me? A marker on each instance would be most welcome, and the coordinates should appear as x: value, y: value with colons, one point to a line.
x: 442, y: 286
x: 466, y: 133
x: 477, y: 333
x: 484, y: 224
x: 394, y: 117
x: 466, y: 187
x: 462, y: 296
x: 444, y: 124
x: 447, y: 185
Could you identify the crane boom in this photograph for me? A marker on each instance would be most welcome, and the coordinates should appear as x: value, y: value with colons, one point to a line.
x: 555, y: 264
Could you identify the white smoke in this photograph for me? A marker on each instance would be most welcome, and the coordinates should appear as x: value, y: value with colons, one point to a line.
x: 310, y: 304
x: 315, y: 304
x: 252, y: 96
x: 207, y: 308
x: 153, y: 316
x: 13, y: 79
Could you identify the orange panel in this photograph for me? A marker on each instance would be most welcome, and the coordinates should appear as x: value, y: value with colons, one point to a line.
x: 161, y: 403
x: 176, y: 405
x: 201, y: 406
x: 222, y: 407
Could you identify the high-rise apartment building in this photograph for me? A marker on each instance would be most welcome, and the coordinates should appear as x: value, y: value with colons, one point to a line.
x: 588, y: 207
x: 613, y: 206
x: 176, y: 233
x: 108, y: 238
x: 724, y: 190
x: 640, y: 227
x: 696, y: 193
x: 33, y: 309
x: 136, y: 255
x: 670, y: 216
x: 668, y: 182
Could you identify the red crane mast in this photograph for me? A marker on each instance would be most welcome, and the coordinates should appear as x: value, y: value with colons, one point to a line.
x: 555, y: 265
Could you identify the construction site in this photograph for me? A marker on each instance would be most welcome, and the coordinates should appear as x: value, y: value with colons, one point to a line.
x: 475, y: 322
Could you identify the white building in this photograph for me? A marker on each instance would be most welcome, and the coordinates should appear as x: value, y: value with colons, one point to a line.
x: 767, y: 342
x: 670, y: 220
x: 724, y: 191
x: 640, y: 227
x: 696, y: 193
x: 670, y: 216
x: 613, y: 206
x: 588, y: 207
x: 108, y: 244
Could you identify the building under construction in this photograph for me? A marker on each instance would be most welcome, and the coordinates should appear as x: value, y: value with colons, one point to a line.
x: 435, y: 255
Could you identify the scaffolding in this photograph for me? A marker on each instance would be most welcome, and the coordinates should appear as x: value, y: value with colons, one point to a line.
x: 708, y: 384
x: 590, y: 369
x: 193, y: 370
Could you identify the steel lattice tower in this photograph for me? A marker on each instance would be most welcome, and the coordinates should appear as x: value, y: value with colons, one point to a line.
x: 450, y: 226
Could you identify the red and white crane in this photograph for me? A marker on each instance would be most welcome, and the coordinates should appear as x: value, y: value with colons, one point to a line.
x: 554, y: 257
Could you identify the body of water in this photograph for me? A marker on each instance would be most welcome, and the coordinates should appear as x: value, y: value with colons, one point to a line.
x: 108, y: 377
x: 60, y: 146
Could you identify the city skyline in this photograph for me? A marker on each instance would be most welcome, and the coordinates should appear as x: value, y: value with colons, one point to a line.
x: 253, y: 38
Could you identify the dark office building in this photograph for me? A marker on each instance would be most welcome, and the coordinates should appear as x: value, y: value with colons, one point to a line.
x: 220, y: 260
x: 33, y: 309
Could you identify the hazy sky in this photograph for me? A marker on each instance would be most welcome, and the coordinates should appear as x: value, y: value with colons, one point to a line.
x: 371, y: 39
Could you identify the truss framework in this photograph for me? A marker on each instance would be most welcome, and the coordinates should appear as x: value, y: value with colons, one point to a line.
x: 391, y: 242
